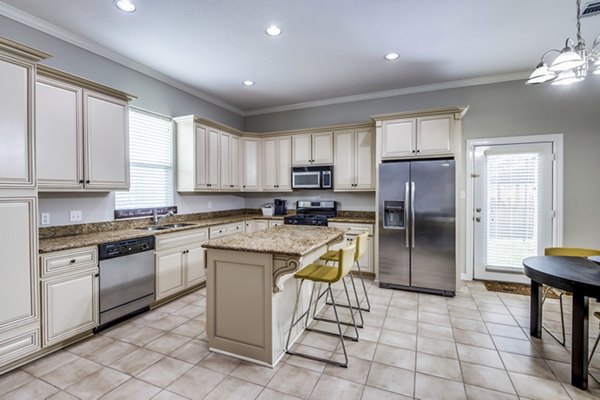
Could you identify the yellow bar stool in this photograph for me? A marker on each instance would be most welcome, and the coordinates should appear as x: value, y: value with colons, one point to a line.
x: 361, y: 248
x: 318, y: 273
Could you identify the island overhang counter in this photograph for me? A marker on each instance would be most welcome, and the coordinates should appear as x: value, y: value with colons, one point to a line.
x: 251, y: 290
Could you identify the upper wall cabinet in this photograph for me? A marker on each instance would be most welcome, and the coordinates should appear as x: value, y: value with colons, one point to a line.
x: 354, y: 160
x: 230, y: 161
x: 277, y: 163
x: 82, y: 134
x: 17, y: 79
x: 312, y: 148
x: 250, y: 167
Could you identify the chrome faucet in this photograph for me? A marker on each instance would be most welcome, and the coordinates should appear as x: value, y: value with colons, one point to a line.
x: 158, y: 220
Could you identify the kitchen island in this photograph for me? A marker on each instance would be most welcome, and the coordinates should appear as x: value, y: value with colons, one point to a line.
x: 251, y: 290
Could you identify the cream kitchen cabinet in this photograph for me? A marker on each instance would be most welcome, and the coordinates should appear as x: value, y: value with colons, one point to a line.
x: 312, y: 148
x: 70, y: 293
x: 261, y: 224
x: 179, y: 261
x: 354, y: 160
x: 229, y: 161
x: 273, y: 223
x: 82, y: 134
x: 249, y: 226
x: 277, y: 163
x: 250, y: 168
x: 367, y: 262
x: 430, y: 135
x: 218, y: 231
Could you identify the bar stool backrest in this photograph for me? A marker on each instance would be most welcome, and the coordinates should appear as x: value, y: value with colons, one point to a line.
x: 346, y: 259
x: 361, y: 245
x: 570, y: 252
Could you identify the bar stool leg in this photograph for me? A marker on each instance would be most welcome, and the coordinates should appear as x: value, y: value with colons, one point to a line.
x: 362, y: 321
x: 287, y: 343
x: 362, y: 280
x: 351, y: 311
x: 337, y: 318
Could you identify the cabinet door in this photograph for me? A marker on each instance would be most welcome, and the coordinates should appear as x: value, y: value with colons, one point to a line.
x: 249, y: 226
x: 16, y: 132
x: 322, y: 148
x: 250, y: 164
x: 69, y: 306
x: 344, y: 171
x: 194, y: 266
x: 201, y: 153
x: 302, y: 149
x: 366, y: 261
x: 170, y: 277
x: 234, y: 162
x: 275, y: 223
x: 260, y: 224
x: 224, y: 161
x: 398, y: 138
x: 59, y: 135
x: 434, y: 135
x: 106, y: 140
x: 364, y: 161
x: 270, y: 165
x: 284, y: 150
x: 212, y: 156
x: 18, y: 262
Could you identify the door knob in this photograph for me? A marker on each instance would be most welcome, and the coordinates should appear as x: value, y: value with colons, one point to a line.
x: 478, y: 219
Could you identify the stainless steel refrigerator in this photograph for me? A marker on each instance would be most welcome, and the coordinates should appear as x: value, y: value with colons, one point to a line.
x: 417, y: 226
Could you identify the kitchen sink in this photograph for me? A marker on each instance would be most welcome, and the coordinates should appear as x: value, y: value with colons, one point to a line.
x: 163, y: 227
x: 181, y: 225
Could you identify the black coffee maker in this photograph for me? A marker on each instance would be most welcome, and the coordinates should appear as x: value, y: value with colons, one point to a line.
x: 280, y: 208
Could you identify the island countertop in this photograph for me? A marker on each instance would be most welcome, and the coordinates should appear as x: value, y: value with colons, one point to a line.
x: 288, y: 240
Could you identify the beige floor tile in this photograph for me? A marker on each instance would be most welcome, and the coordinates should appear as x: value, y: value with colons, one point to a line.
x: 471, y: 325
x: 434, y: 308
x: 173, y: 307
x: 433, y: 388
x: 361, y: 349
x: 578, y: 394
x: 553, y: 351
x: 357, y: 370
x: 62, y: 396
x: 400, y: 325
x: 464, y: 313
x: 133, y: 389
x: 320, y: 341
x: 167, y: 395
x: 433, y: 318
x: 255, y: 373
x: 479, y: 393
x: 48, y: 363
x: 438, y: 347
x: 395, y: 356
x: 369, y: 333
x: 492, y: 308
x: 329, y: 387
x: 392, y: 379
x: 71, y: 373
x: 506, y: 330
x: 36, y: 389
x: 13, y: 380
x: 270, y: 394
x: 526, y: 365
x: 435, y: 331
x: 439, y: 366
x: 191, y: 311
x: 294, y: 380
x: 510, y: 345
x: 474, y: 339
x: 505, y: 319
x: 398, y: 339
x: 192, y: 352
x: 479, y: 355
x: 562, y: 371
x: 220, y: 363
x: 313, y: 365
x: 136, y: 362
x: 167, y: 343
x: 97, y: 384
x: 371, y: 393
x: 111, y: 353
x: 191, y: 328
x: 406, y: 314
x: 234, y: 389
x: 538, y: 388
x: 486, y: 377
x: 169, y: 322
x: 196, y: 383
x: 149, y: 318
x: 121, y: 330
x: 92, y: 344
x: 164, y: 372
x: 372, y: 320
x: 142, y: 336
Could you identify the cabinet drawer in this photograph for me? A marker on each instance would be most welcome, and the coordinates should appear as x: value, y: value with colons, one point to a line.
x: 19, y: 344
x: 68, y: 261
x: 355, y: 229
x: 226, y: 230
x: 178, y: 239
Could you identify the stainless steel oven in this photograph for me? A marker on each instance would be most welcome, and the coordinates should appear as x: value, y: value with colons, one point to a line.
x: 312, y: 177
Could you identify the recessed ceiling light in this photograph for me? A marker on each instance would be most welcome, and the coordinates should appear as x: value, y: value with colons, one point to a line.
x: 273, y: 30
x: 391, y: 56
x: 248, y: 83
x: 125, y: 5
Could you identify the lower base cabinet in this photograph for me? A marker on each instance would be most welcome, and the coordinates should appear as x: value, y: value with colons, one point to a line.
x: 179, y: 261
x: 366, y: 262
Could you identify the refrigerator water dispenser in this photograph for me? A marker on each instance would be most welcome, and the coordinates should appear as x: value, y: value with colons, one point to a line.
x: 394, y: 213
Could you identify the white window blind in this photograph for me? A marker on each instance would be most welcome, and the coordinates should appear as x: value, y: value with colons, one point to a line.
x: 150, y: 163
x: 512, y: 190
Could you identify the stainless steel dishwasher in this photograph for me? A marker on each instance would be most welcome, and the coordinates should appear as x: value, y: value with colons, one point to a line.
x: 126, y: 278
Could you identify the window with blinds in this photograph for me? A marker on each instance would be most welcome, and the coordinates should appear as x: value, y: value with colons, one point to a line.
x: 150, y: 163
x: 512, y: 191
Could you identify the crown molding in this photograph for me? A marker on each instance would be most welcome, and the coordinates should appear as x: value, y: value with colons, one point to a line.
x: 395, y: 92
x: 53, y: 30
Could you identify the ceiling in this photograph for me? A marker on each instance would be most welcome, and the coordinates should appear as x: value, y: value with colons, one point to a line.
x: 328, y: 48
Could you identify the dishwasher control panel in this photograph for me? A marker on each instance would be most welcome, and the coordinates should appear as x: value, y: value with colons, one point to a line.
x: 125, y: 247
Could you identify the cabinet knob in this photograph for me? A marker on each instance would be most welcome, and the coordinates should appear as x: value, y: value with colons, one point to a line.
x: 414, y: 151
x: 418, y: 151
x: 88, y: 181
x: 81, y: 181
x: 72, y: 261
x: 244, y: 186
x: 230, y: 185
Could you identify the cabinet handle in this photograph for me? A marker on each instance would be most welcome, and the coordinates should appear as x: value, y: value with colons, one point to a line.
x: 72, y: 261
x: 88, y: 181
x: 230, y: 185
x: 96, y: 276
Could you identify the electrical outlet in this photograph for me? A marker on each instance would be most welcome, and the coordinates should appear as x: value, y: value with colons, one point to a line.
x: 45, y: 219
x: 75, y: 216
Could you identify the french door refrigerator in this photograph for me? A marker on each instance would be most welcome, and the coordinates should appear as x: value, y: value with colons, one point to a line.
x: 417, y: 226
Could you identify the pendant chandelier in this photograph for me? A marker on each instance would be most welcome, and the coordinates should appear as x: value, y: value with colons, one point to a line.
x: 572, y: 63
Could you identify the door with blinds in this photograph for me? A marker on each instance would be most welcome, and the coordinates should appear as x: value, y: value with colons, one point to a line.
x: 512, y: 216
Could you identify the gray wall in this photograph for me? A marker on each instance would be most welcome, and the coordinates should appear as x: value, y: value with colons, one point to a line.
x: 497, y: 110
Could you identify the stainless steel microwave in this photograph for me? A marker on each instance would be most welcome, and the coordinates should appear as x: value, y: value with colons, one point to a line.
x: 312, y: 177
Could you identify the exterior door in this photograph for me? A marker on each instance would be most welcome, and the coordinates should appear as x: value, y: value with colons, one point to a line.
x: 513, y: 210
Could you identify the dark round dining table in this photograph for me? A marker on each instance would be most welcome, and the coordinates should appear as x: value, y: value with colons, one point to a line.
x: 581, y: 277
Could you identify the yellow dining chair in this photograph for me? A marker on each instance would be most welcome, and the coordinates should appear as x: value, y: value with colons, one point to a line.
x: 318, y: 273
x: 564, y: 252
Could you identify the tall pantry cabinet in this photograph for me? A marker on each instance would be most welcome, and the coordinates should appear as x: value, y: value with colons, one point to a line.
x: 19, y: 302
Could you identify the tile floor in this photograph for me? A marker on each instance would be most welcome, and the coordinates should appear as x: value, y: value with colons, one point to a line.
x: 473, y: 346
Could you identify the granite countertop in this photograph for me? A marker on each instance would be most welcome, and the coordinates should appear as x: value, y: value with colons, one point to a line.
x: 353, y: 220
x: 288, y: 240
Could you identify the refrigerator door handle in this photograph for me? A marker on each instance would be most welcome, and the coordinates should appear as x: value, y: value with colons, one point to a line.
x: 406, y: 190
x: 412, y: 212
